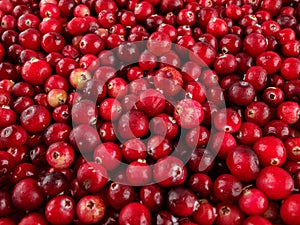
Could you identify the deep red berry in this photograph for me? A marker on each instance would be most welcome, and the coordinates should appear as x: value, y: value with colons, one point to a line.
x: 138, y: 173
x: 60, y: 210
x: 119, y: 195
x: 90, y: 209
x: 290, y: 209
x: 188, y: 113
x: 205, y: 214
x: 108, y: 154
x: 181, y: 201
x: 253, y: 202
x: 135, y: 213
x: 288, y: 112
x: 27, y: 195
x: 60, y: 155
x: 92, y: 176
x: 227, y: 188
x: 169, y: 171
x: 270, y: 151
x: 275, y: 182
x: 227, y: 120
x: 36, y: 71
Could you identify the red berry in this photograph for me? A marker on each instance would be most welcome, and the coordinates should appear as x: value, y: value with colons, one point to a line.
x: 90, y: 209
x: 188, y: 113
x: 275, y: 182
x: 135, y: 213
x: 290, y: 209
x: 36, y: 71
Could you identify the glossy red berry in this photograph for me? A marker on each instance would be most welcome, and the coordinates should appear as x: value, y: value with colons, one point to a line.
x: 290, y: 209
x: 108, y: 154
x: 275, y: 182
x: 90, y: 209
x: 253, y: 202
x: 227, y: 120
x: 270, y: 151
x: 243, y: 163
x: 60, y: 210
x: 169, y: 171
x: 227, y: 188
x: 188, y: 113
x: 36, y: 71
x: 92, y: 176
x: 27, y: 195
x: 135, y: 213
x: 288, y: 112
x: 181, y: 201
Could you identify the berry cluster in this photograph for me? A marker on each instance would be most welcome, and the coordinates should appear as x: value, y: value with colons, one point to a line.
x: 140, y: 112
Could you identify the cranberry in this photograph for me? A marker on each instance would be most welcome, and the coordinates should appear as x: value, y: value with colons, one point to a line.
x: 227, y: 120
x: 134, y: 121
x: 253, y: 202
x: 110, y: 109
x: 135, y: 213
x: 258, y: 113
x: 256, y: 220
x: 117, y: 87
x: 278, y: 128
x: 151, y: 102
x: 241, y: 93
x: 90, y: 209
x: 227, y: 188
x: 288, y: 112
x: 270, y: 61
x: 275, y: 182
x: 6, y: 207
x: 7, y: 221
x: 205, y: 214
x: 92, y: 176
x: 270, y: 151
x: 36, y: 71
x: 152, y: 197
x: 119, y: 195
x: 202, y: 54
x: 158, y: 147
x: 84, y: 137
x: 168, y: 80
x: 53, y: 183
x: 60, y: 210
x: 247, y: 169
x: 169, y: 171
x: 13, y: 136
x: 181, y: 201
x: 273, y: 96
x: 188, y: 113
x: 290, y: 68
x: 289, y: 209
x: 8, y: 117
x: 170, y: 5
x: 201, y: 184
x: 138, y: 173
x: 272, y: 211
x: 27, y: 195
x: 169, y: 29
x: 35, y: 118
x: 248, y: 133
x: 159, y: 43
x: 106, y: 18
x: 229, y: 214
x: 84, y: 112
x: 60, y: 155
x: 108, y: 154
x: 7, y: 163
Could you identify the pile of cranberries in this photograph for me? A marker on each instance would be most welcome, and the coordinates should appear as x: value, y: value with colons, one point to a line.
x: 149, y: 112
